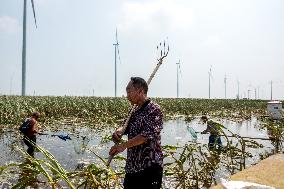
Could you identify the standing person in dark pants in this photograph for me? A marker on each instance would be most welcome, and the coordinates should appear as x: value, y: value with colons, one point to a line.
x: 214, y: 129
x: 144, y: 164
x: 30, y: 132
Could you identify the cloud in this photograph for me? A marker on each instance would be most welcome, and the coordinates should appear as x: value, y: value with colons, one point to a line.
x: 9, y: 25
x: 40, y: 2
x: 212, y: 41
x: 159, y: 14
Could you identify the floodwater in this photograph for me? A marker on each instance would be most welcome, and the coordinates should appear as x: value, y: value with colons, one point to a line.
x: 175, y: 133
x: 74, y: 154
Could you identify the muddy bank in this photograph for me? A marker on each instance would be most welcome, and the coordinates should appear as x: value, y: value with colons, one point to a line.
x: 269, y: 171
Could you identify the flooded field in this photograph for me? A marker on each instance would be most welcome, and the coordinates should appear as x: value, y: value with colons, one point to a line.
x: 74, y: 154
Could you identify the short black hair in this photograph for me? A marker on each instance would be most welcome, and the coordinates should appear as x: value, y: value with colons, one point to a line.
x: 139, y: 82
x: 36, y: 115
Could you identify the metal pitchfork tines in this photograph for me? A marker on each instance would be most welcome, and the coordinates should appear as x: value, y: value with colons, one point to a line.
x: 164, y: 51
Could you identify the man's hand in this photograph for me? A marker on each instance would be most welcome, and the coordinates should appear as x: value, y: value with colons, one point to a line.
x: 116, y: 136
x: 138, y: 140
x: 117, y: 149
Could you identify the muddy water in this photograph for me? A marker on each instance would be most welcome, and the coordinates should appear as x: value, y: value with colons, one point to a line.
x: 175, y: 133
x: 74, y: 154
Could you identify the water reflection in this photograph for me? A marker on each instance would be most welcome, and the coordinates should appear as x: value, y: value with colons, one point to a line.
x: 74, y: 154
x: 174, y: 135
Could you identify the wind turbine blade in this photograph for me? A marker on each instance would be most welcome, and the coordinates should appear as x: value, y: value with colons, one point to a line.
x: 210, y: 72
x: 118, y: 55
x: 179, y: 68
x: 117, y: 45
x: 34, y: 12
x: 116, y: 35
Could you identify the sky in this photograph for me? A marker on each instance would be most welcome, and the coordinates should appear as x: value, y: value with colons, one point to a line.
x: 71, y: 51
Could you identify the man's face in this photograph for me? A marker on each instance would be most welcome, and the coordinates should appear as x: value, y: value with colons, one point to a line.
x: 203, y: 120
x: 132, y: 93
x: 36, y: 116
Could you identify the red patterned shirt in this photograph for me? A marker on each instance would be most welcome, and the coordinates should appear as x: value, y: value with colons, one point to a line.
x: 146, y: 121
x: 32, y: 127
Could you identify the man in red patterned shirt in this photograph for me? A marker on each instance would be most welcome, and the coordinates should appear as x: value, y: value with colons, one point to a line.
x: 30, y: 134
x: 144, y: 164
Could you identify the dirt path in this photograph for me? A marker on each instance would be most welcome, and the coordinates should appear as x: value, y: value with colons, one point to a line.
x: 268, y: 172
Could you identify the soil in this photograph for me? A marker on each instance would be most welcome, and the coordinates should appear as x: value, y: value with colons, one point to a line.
x: 268, y: 172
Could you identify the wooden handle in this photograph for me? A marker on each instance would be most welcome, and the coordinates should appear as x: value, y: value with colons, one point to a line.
x: 160, y: 61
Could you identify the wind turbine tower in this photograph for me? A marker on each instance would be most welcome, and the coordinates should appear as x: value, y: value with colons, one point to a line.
x: 178, y: 70
x: 255, y: 95
x: 248, y: 94
x: 116, y: 52
x: 210, y: 75
x: 225, y: 82
x: 24, y: 45
x: 271, y: 89
x: 238, y: 97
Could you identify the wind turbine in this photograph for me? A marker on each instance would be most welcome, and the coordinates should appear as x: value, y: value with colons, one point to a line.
x: 210, y: 76
x: 225, y: 82
x: 255, y: 94
x: 24, y: 45
x: 248, y: 93
x: 250, y: 87
x: 116, y: 52
x: 178, y: 71
x: 271, y: 84
x: 238, y: 96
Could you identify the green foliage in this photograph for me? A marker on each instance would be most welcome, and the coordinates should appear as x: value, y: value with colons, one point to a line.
x: 275, y: 130
x: 48, y: 172
x: 107, y: 110
x: 190, y: 166
x: 13, y: 109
